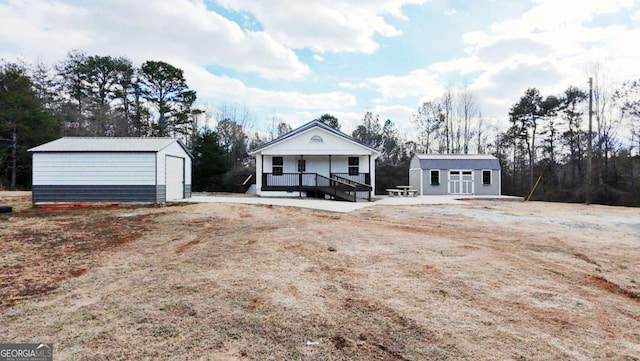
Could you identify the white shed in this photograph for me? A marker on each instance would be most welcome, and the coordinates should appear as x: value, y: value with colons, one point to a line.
x: 75, y: 169
x: 460, y: 174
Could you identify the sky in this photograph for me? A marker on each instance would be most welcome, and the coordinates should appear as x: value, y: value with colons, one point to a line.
x: 294, y: 60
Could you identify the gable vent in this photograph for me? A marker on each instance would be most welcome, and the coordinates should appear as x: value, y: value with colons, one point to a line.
x: 316, y: 139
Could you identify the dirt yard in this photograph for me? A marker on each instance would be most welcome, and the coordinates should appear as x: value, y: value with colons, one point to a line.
x: 482, y: 281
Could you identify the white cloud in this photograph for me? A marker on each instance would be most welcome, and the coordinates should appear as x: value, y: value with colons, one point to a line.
x: 417, y: 83
x: 166, y: 30
x: 549, y: 15
x: 50, y: 27
x: 348, y: 120
x: 226, y: 89
x: 318, y: 58
x: 503, y: 50
x: 326, y: 26
x: 548, y: 47
x: 348, y: 85
x: 399, y: 114
x: 451, y: 12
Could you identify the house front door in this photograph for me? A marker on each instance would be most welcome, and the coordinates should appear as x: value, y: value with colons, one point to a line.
x: 460, y: 182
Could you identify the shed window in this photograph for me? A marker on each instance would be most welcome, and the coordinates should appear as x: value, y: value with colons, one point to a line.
x: 302, y: 165
x: 354, y: 165
x: 435, y: 177
x: 277, y: 163
x: 486, y: 177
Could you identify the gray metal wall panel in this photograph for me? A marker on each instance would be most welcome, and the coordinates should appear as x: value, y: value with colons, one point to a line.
x: 94, y: 193
x: 492, y: 189
x: 414, y: 179
x: 415, y: 162
x: 161, y: 193
x: 433, y: 190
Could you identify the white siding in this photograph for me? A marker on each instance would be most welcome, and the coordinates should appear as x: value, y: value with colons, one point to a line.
x: 340, y: 164
x: 317, y: 164
x: 302, y: 144
x: 100, y: 168
x: 177, y: 151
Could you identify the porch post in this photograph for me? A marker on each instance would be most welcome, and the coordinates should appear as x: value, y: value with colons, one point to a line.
x: 372, y: 190
x: 300, y: 177
x: 372, y: 175
x: 259, y: 188
x: 330, y: 171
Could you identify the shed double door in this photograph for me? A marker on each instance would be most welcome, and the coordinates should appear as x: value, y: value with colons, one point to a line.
x: 174, y: 170
x: 460, y: 182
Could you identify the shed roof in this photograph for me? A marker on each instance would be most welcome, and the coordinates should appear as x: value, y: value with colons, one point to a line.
x: 100, y: 144
x: 310, y: 125
x: 458, y: 161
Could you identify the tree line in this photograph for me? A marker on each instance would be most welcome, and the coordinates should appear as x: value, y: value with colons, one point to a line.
x: 547, y: 140
x: 545, y: 136
x: 86, y: 95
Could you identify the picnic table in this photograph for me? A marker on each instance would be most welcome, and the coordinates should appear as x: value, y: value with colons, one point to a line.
x: 401, y: 191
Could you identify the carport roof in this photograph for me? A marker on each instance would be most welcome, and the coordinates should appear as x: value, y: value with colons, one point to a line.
x: 100, y: 144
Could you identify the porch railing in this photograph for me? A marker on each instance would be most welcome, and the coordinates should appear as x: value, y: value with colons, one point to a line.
x: 363, y: 178
x: 336, y: 186
x: 361, y: 187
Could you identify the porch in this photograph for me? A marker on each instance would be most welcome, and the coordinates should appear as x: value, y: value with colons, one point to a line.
x: 339, y: 186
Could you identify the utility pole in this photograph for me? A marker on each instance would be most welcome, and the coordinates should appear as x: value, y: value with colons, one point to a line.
x: 587, y: 198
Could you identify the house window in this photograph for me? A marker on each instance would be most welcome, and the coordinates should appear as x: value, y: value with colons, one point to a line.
x: 354, y: 165
x: 277, y: 163
x: 486, y: 177
x: 435, y: 177
x: 302, y: 165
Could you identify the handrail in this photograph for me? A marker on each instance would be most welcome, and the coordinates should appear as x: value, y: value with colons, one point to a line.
x: 333, y: 185
x: 336, y: 181
x: 248, y: 179
x: 337, y: 177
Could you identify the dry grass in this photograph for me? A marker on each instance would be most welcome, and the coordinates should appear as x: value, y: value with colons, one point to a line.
x: 482, y: 281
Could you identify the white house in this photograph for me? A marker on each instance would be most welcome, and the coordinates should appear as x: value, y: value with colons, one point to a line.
x: 464, y: 174
x: 74, y: 169
x: 315, y: 160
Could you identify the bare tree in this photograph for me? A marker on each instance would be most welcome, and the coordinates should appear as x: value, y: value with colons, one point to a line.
x: 428, y: 119
x: 278, y: 128
x: 233, y: 124
x: 606, y: 122
x: 482, y: 135
x: 467, y: 111
x: 447, y: 112
x: 628, y: 100
x: 240, y: 114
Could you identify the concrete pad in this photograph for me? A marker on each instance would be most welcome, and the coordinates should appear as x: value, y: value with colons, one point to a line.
x: 320, y: 204
x: 402, y: 201
x: 337, y: 206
